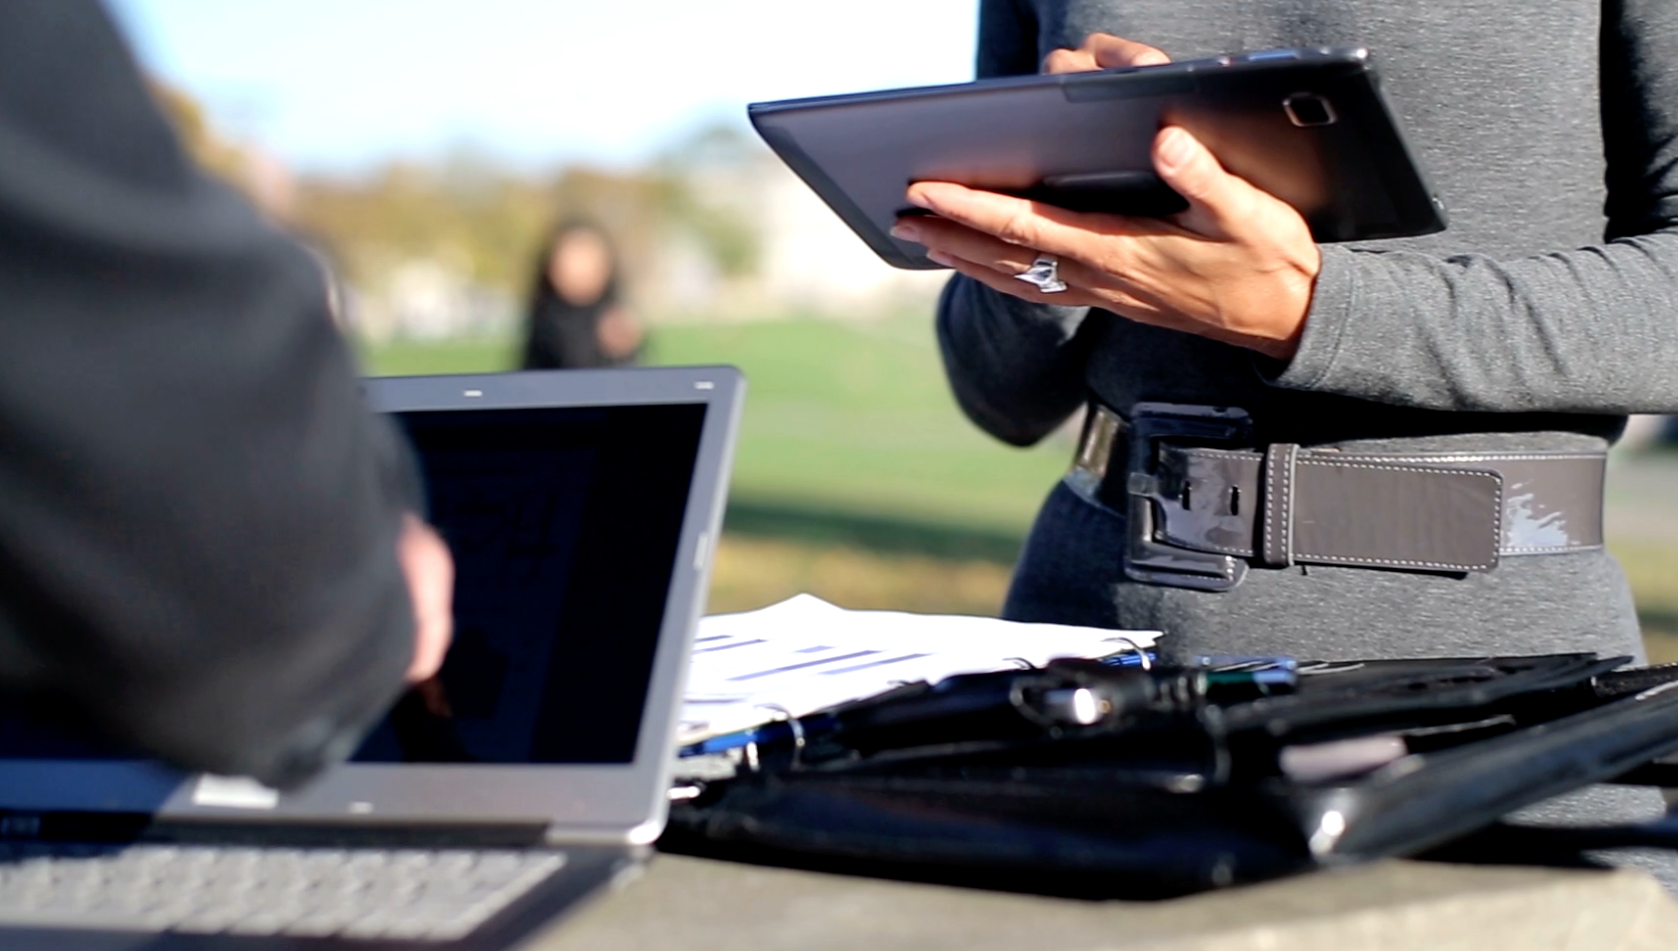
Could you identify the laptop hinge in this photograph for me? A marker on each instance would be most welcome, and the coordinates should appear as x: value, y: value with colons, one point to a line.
x: 559, y: 834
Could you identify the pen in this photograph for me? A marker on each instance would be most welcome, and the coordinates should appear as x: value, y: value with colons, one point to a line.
x: 819, y: 724
x: 1262, y: 671
x: 997, y: 706
x: 775, y: 732
x: 1143, y: 659
x: 1250, y: 661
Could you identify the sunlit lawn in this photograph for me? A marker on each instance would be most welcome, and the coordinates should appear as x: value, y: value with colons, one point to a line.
x: 751, y: 572
x: 418, y: 357
x: 850, y: 416
x: 857, y: 418
x: 1652, y: 570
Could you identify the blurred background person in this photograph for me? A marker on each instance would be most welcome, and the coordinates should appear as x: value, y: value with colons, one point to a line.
x: 576, y: 320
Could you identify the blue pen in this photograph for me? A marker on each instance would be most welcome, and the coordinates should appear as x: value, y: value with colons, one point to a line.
x: 778, y: 731
x: 818, y: 725
x: 1273, y: 670
x: 1131, y: 659
x: 1255, y: 661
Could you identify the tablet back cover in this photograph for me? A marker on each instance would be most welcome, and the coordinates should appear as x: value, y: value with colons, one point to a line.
x: 1309, y: 126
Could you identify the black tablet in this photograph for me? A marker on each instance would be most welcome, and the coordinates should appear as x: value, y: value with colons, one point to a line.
x: 1309, y: 126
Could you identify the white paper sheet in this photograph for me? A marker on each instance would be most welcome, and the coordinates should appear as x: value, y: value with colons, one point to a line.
x: 803, y: 654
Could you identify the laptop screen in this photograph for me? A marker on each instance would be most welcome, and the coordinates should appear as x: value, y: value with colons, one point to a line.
x: 564, y: 524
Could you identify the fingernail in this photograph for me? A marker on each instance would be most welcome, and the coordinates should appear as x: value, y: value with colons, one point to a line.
x: 939, y: 257
x: 917, y: 196
x: 1175, y: 149
x: 904, y: 231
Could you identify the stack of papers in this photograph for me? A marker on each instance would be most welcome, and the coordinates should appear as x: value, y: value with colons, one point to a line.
x: 793, y: 658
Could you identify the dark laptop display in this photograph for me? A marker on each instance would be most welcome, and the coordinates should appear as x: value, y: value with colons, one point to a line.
x: 563, y: 524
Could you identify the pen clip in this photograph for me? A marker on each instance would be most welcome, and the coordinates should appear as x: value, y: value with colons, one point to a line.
x: 795, y: 727
x: 1142, y: 658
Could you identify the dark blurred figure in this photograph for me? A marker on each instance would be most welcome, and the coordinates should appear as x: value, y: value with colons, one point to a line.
x: 208, y: 546
x: 576, y: 320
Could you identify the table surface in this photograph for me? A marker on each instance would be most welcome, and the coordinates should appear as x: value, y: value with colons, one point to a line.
x: 699, y: 905
x: 703, y: 905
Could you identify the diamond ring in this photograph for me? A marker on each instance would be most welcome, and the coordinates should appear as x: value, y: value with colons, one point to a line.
x: 1043, y: 274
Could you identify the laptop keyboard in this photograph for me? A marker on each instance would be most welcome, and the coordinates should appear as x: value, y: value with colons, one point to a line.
x: 414, y: 894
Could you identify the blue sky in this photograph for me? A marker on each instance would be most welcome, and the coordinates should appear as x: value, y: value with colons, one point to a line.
x: 340, y: 85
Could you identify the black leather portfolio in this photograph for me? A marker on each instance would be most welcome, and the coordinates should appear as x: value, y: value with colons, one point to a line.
x: 1084, y: 778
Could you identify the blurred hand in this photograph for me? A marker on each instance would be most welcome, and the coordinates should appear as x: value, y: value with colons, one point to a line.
x: 1103, y: 51
x: 435, y: 697
x: 1238, y: 266
x: 618, y: 333
x: 429, y: 568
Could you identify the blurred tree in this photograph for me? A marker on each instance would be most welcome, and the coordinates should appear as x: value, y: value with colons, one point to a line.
x: 490, y: 222
x: 484, y: 223
x: 465, y: 213
x: 705, y: 163
x: 262, y: 178
x: 193, y: 125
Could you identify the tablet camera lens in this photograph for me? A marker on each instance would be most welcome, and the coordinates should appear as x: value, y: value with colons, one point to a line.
x: 1308, y: 109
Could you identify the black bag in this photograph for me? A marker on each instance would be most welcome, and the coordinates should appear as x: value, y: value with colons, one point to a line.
x: 1181, y: 783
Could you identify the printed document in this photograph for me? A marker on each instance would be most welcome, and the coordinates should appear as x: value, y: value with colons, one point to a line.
x: 793, y: 658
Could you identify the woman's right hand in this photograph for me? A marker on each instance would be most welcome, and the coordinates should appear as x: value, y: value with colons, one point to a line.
x: 429, y: 570
x: 618, y: 333
x: 1103, y: 51
x: 1238, y: 266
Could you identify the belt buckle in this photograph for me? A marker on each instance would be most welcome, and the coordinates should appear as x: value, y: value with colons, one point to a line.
x: 1147, y: 559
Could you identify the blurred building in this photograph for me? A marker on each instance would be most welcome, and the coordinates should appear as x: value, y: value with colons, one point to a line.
x: 807, y: 262
x: 717, y: 229
x: 429, y: 299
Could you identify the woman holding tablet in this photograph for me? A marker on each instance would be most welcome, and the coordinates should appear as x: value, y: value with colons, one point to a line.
x: 1417, y: 466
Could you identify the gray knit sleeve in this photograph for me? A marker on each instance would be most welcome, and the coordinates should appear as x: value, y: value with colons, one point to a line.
x: 1590, y: 330
x: 1007, y: 39
x: 1016, y: 368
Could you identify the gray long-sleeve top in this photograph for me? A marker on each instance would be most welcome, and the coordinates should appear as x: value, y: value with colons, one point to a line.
x: 1547, y: 311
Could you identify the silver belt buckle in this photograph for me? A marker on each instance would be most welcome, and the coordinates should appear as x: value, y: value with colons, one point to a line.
x: 1147, y: 558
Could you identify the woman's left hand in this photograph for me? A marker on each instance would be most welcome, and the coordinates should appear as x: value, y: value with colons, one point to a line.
x: 1237, y: 266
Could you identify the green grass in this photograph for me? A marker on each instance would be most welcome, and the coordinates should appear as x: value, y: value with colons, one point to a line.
x: 859, y: 417
x: 851, y: 444
x: 847, y: 417
x: 1652, y: 570
x: 415, y: 358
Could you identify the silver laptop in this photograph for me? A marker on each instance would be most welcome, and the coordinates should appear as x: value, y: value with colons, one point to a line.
x: 582, y: 508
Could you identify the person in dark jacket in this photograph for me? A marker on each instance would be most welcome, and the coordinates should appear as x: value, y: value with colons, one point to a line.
x: 207, y: 551
x: 576, y: 320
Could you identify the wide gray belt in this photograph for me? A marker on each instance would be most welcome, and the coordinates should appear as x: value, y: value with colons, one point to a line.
x: 1192, y: 492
